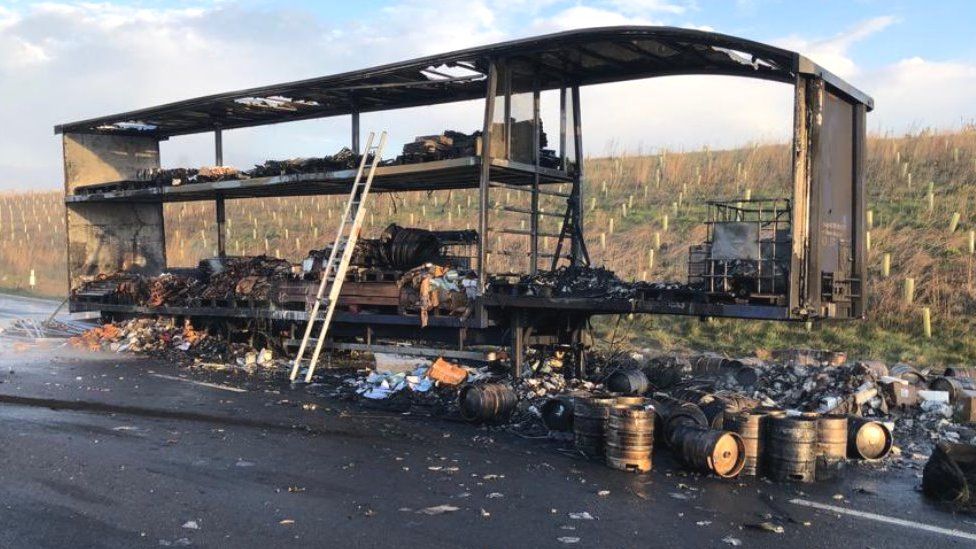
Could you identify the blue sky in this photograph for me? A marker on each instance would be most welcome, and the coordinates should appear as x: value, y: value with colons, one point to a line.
x: 64, y: 60
x: 937, y: 29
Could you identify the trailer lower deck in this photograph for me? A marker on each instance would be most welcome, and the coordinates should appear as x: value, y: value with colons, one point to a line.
x: 497, y: 319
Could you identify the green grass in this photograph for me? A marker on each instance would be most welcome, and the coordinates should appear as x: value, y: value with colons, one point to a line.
x: 860, y: 339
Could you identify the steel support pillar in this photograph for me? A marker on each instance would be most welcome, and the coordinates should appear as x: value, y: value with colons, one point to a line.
x: 218, y: 147
x: 355, y: 132
x: 578, y: 250
x: 221, y: 226
x: 219, y: 202
x: 536, y: 145
x: 485, y: 177
x: 518, y: 343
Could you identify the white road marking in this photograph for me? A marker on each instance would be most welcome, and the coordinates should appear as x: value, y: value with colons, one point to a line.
x: 203, y: 383
x: 882, y: 518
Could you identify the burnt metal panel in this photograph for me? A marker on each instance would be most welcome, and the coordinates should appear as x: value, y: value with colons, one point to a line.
x: 828, y: 268
x: 733, y: 241
x: 91, y: 159
x: 106, y: 238
x: 801, y: 200
x: 860, y: 208
x: 837, y: 186
x: 831, y: 277
x: 835, y: 179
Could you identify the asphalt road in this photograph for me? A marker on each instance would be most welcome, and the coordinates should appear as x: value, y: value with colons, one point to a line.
x: 13, y: 307
x: 119, y: 451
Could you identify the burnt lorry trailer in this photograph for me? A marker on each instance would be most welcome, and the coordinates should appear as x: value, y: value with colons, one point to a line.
x: 805, y: 256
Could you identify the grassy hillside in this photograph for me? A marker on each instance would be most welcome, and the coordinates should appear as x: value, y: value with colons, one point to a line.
x: 916, y: 185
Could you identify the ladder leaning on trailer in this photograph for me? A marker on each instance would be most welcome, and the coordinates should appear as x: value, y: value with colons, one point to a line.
x: 350, y: 225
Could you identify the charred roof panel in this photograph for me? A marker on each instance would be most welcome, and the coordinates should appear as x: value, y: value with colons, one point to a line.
x: 579, y: 57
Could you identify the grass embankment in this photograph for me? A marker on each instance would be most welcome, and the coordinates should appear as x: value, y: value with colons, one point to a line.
x: 916, y: 185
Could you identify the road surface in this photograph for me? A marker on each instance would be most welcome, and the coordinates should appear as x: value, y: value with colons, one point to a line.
x: 13, y: 307
x: 108, y: 450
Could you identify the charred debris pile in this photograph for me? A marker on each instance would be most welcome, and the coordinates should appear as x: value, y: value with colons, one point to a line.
x: 425, y: 148
x: 429, y: 272
x: 420, y: 264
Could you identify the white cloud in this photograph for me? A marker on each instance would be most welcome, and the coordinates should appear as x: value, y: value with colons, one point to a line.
x: 909, y: 93
x: 834, y: 53
x: 657, y: 6
x: 578, y: 17
x: 68, y: 61
x: 921, y: 93
x: 686, y: 112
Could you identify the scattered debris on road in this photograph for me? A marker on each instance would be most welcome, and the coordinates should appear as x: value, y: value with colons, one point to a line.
x: 799, y: 417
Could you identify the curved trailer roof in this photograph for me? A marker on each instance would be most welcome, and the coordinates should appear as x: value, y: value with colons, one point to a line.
x: 578, y: 57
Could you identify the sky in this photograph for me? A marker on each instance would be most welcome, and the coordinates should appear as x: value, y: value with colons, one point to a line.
x: 65, y: 61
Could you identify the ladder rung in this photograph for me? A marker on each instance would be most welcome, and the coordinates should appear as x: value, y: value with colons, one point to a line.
x: 529, y: 212
x: 508, y: 253
x: 526, y: 254
x: 527, y: 189
x: 521, y: 232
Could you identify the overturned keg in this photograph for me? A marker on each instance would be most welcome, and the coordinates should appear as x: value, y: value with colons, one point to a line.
x: 685, y: 414
x: 790, y: 453
x: 590, y: 416
x: 488, y: 403
x: 715, y: 413
x: 709, y: 450
x: 627, y: 382
x: 671, y: 412
x: 746, y: 371
x: 867, y: 439
x: 875, y: 367
x: 666, y: 372
x: 955, y: 386
x: 630, y: 438
x: 708, y: 364
x: 961, y: 371
x: 735, y: 402
x: 908, y: 373
x: 557, y: 413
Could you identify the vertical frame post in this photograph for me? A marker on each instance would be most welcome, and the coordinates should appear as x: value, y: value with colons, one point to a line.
x: 219, y: 205
x: 563, y: 122
x: 486, y: 137
x: 219, y: 147
x: 536, y: 145
x: 815, y: 104
x: 801, y: 199
x: 578, y: 250
x: 355, y: 132
x: 221, y: 226
x: 507, y: 90
x: 518, y: 342
x: 860, y: 270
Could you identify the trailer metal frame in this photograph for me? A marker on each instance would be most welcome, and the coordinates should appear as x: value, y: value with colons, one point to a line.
x: 115, y: 221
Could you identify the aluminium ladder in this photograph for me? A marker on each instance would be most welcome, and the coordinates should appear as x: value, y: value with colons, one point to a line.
x: 350, y: 225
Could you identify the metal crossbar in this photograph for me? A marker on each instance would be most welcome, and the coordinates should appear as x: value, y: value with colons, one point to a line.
x: 350, y: 226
